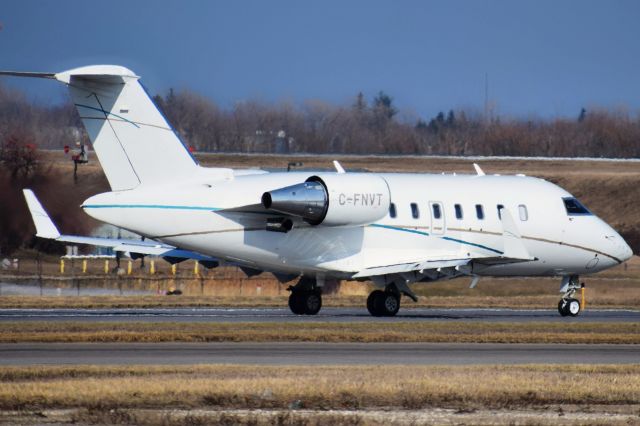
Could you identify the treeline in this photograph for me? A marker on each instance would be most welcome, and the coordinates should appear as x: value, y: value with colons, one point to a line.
x: 366, y: 126
x: 44, y: 126
x: 375, y: 128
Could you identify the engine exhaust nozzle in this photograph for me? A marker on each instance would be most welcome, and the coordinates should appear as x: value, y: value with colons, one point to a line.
x: 308, y: 200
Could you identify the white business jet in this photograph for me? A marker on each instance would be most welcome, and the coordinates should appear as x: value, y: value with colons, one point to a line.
x: 393, y: 229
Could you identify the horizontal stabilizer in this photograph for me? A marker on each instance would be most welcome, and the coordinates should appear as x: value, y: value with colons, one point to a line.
x: 29, y: 74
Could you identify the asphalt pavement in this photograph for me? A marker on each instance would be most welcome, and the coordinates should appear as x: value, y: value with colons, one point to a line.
x: 305, y: 353
x: 340, y: 315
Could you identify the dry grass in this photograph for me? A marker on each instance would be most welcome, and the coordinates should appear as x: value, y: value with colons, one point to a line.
x: 463, y: 332
x: 317, y: 387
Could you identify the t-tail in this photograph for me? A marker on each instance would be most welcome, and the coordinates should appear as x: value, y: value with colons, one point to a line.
x: 132, y: 139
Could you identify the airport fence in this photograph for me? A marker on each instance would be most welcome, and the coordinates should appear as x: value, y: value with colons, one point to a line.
x: 104, y: 275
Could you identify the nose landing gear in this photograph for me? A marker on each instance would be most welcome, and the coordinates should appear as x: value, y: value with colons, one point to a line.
x: 568, y: 305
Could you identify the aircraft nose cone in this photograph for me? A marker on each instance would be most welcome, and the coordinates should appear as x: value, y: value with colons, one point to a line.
x: 620, y: 248
x: 625, y: 250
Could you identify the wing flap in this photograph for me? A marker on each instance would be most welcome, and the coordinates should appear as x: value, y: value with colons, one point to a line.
x: 410, y: 267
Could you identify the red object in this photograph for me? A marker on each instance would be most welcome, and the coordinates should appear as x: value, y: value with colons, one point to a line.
x: 66, y: 149
x: 191, y: 149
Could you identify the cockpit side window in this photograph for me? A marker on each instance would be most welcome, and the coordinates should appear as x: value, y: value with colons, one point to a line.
x: 574, y: 207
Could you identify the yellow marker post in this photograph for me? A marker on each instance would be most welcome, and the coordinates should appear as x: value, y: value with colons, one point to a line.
x: 196, y: 268
x: 583, y: 302
x: 152, y: 267
x: 129, y: 268
x: 84, y: 266
x: 173, y: 269
x: 62, y: 266
x: 106, y: 266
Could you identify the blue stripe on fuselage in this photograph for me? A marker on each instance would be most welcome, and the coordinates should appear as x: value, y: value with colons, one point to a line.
x: 147, y: 206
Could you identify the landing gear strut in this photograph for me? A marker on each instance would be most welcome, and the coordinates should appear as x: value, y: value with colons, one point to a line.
x: 568, y: 305
x: 383, y: 303
x: 305, y: 297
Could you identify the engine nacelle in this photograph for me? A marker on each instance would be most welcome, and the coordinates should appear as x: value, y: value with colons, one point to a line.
x: 336, y: 199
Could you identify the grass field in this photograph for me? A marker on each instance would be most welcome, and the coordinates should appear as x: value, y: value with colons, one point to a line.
x: 463, y: 332
x: 178, y: 395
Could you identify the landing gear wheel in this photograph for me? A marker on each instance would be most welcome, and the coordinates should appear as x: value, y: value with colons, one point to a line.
x: 573, y: 307
x: 383, y: 303
x: 305, y: 302
x: 295, y: 303
x: 312, y: 301
x: 569, y: 307
x: 391, y: 304
x: 562, y: 308
x: 373, y: 304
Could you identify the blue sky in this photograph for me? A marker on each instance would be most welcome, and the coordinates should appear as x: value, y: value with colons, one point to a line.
x: 543, y: 58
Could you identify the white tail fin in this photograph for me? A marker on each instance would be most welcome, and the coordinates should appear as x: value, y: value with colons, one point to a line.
x: 132, y: 139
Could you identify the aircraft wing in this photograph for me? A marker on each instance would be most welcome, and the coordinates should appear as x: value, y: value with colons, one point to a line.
x: 45, y: 228
x: 403, y: 268
x: 514, y: 251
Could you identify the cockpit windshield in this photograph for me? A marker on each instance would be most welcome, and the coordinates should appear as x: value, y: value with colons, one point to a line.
x: 574, y: 207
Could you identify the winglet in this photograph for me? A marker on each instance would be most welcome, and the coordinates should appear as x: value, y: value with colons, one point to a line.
x: 479, y: 171
x: 338, y: 167
x: 513, y: 246
x: 44, y: 226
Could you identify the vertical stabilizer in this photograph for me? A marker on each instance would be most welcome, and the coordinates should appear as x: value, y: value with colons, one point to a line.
x: 131, y: 138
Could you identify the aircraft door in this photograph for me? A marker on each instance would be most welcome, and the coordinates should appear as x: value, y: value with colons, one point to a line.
x: 437, y: 218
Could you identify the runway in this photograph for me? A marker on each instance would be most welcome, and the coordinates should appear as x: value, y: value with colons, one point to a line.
x: 304, y: 353
x: 340, y: 315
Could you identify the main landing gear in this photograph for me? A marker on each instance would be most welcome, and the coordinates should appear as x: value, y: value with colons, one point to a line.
x: 383, y: 303
x: 305, y: 302
x: 568, y: 305
x: 305, y: 297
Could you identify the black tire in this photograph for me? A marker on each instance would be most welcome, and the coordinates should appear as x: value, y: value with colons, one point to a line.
x: 562, y: 308
x: 373, y: 304
x: 389, y: 304
x: 312, y: 302
x: 573, y: 307
x: 295, y: 303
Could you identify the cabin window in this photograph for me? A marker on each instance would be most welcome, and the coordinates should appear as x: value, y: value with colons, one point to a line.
x: 500, y: 207
x: 415, y: 212
x: 524, y: 214
x: 392, y: 210
x: 437, y: 214
x: 479, y: 211
x: 458, y: 209
x: 574, y: 207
